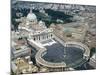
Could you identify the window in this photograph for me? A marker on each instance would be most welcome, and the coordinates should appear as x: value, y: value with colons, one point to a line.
x: 47, y: 36
x: 39, y: 37
x: 34, y: 39
x: 69, y: 35
x: 51, y: 35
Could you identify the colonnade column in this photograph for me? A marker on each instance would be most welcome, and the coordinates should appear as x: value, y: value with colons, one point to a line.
x: 43, y: 37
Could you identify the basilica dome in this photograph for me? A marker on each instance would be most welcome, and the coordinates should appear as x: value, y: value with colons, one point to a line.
x: 31, y: 16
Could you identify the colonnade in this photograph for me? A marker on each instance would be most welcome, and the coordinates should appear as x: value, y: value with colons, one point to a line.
x: 42, y: 37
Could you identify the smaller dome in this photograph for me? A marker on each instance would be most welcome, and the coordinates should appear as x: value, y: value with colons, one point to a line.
x: 31, y: 16
x: 41, y: 23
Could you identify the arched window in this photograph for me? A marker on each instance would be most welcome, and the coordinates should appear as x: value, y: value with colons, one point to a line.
x: 51, y: 35
x: 34, y: 39
x: 47, y: 36
x: 39, y: 37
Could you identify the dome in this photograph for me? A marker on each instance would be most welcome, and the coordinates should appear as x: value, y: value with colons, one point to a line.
x: 31, y: 16
x: 41, y: 23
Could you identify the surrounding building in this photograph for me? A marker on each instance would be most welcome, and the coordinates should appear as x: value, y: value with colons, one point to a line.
x: 71, y: 31
x: 19, y: 48
x: 23, y: 65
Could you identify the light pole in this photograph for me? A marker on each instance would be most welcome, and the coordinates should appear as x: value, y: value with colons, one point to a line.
x: 64, y: 53
x: 65, y: 47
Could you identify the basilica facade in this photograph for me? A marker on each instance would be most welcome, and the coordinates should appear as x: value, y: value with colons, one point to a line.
x: 31, y: 28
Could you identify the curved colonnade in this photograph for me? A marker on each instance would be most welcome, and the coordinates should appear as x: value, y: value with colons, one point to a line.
x: 45, y: 63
